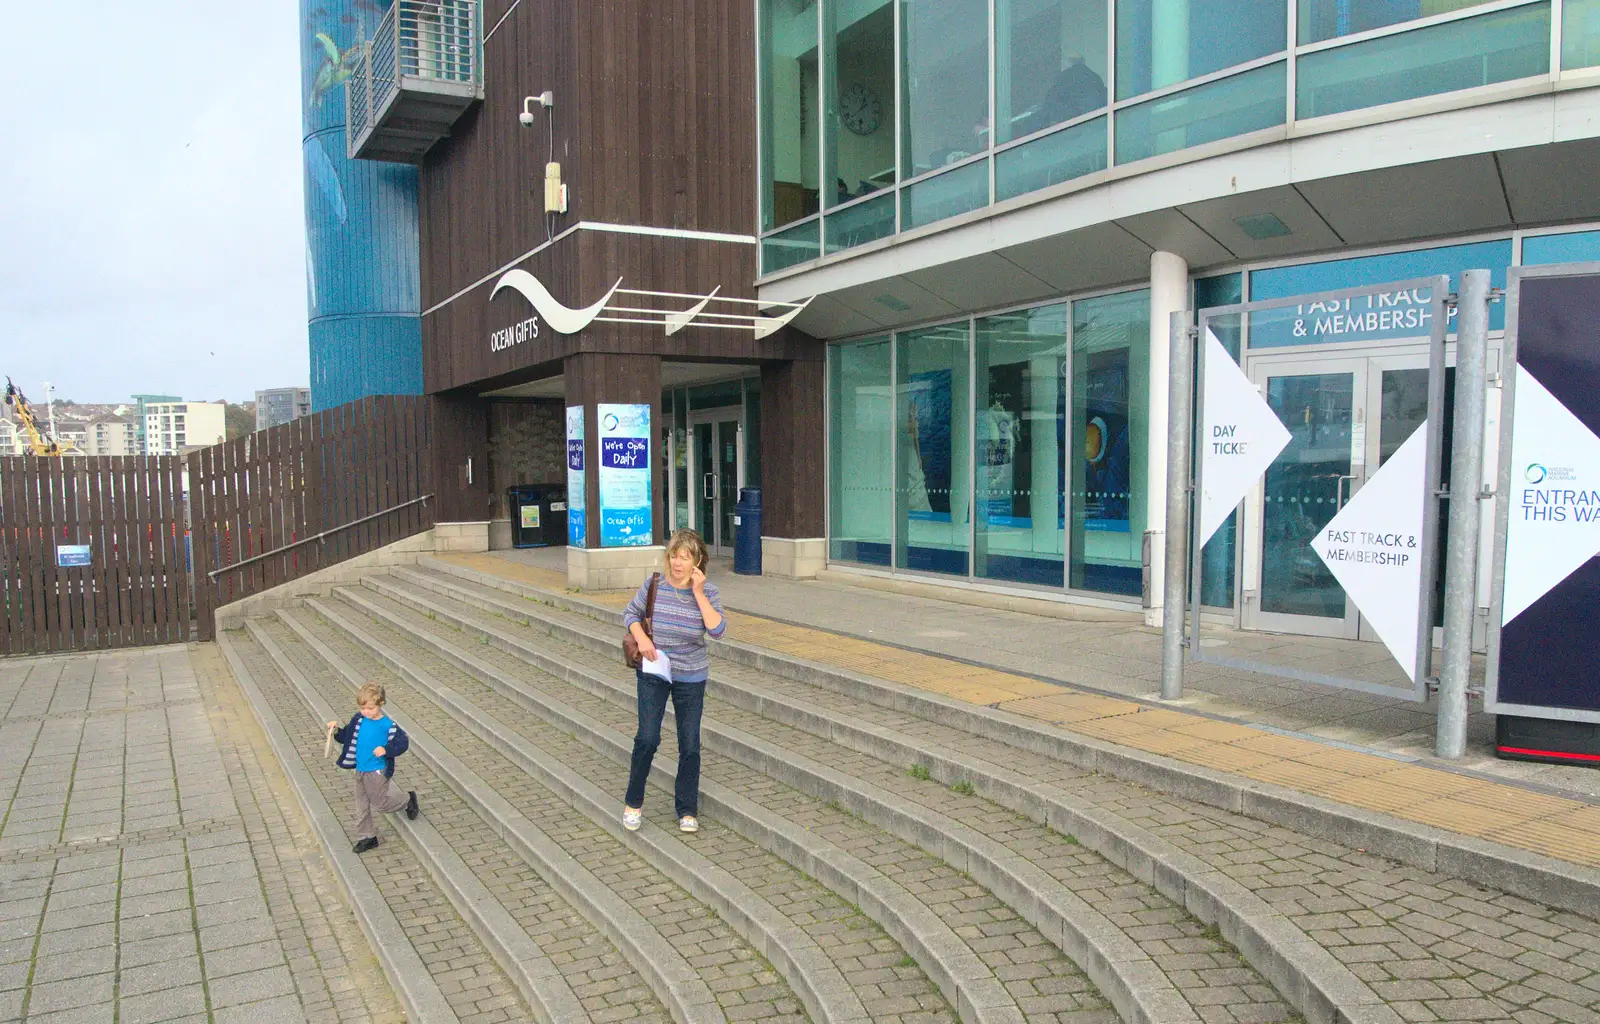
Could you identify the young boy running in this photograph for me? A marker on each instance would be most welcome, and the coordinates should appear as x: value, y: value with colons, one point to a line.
x: 371, y: 741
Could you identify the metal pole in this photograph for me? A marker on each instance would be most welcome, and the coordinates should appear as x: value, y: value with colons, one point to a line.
x: 1180, y: 369
x: 1466, y: 477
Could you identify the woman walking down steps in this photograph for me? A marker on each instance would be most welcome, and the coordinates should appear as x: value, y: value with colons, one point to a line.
x: 687, y: 610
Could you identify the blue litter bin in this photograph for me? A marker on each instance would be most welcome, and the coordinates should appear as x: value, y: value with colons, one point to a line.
x: 747, y: 532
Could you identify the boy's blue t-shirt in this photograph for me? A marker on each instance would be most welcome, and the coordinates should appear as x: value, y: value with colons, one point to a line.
x: 371, y: 734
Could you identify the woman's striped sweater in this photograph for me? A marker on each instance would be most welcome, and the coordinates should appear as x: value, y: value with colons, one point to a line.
x: 678, y: 627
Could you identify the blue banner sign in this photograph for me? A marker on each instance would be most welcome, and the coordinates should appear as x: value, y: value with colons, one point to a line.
x: 1384, y: 316
x: 68, y: 555
x: 577, y: 500
x: 625, y: 519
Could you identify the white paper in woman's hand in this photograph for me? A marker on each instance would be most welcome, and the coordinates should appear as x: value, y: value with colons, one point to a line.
x: 660, y: 666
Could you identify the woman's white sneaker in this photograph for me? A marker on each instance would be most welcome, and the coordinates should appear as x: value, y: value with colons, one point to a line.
x: 632, y: 818
x: 688, y: 823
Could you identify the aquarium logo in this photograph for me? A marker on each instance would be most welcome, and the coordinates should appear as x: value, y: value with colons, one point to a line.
x: 561, y: 319
x: 1535, y: 473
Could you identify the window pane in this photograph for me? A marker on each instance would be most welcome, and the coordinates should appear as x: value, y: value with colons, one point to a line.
x: 933, y: 403
x: 1578, y: 247
x: 1217, y: 557
x: 680, y: 459
x: 752, y: 432
x: 860, y: 224
x: 1110, y: 410
x: 946, y: 195
x: 858, y: 156
x: 789, y: 93
x: 1219, y: 110
x: 1061, y: 156
x: 796, y: 245
x: 1493, y: 48
x: 1329, y: 19
x: 1164, y: 42
x: 944, y: 83
x: 1580, y: 33
x: 1284, y: 282
x: 1021, y: 446
x: 860, y: 496
x: 1049, y: 65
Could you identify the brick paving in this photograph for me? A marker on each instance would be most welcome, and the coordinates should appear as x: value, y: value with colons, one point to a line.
x: 745, y: 985
x: 1437, y: 948
x: 1207, y: 971
x: 983, y: 661
x: 890, y: 985
x: 152, y: 866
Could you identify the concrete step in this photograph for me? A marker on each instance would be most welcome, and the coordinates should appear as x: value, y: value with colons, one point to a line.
x: 676, y: 943
x: 923, y: 925
x: 1063, y: 891
x: 441, y: 981
x: 1338, y: 930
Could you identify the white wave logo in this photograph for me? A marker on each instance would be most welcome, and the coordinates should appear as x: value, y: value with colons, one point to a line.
x: 559, y: 317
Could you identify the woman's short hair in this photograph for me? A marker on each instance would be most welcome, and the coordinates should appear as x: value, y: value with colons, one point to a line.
x: 692, y: 542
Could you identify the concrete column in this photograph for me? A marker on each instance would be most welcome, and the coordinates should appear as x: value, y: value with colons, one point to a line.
x: 1169, y: 293
x: 459, y: 459
x: 793, y: 453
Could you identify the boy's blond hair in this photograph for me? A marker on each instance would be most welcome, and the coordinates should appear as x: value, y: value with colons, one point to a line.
x: 370, y: 693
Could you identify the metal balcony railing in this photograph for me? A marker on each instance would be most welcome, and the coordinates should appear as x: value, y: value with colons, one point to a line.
x: 429, y: 51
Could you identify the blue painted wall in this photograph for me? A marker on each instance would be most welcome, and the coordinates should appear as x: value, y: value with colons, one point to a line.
x: 362, y: 287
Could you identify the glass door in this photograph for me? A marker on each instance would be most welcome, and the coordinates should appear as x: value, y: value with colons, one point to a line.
x: 716, y: 469
x: 1324, y: 404
x: 1346, y: 416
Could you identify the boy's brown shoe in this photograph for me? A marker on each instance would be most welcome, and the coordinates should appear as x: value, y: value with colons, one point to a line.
x: 363, y: 845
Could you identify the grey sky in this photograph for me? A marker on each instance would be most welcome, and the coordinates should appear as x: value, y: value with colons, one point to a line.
x: 151, y: 226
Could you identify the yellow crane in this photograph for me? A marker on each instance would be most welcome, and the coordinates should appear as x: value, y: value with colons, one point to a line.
x: 39, y: 443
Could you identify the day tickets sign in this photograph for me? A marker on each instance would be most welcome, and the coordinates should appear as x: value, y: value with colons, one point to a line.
x: 624, y: 470
x: 1373, y: 547
x: 577, y: 500
x: 1240, y: 435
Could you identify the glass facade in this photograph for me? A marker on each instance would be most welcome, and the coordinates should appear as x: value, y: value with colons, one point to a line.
x: 1021, y: 446
x: 879, y: 116
x: 860, y: 484
x: 1580, y: 34
x: 1018, y: 443
x: 1490, y: 48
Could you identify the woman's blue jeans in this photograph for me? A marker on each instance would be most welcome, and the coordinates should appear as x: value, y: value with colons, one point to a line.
x: 688, y: 700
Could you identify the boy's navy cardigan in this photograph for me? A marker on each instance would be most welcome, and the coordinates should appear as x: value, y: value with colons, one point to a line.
x: 397, y: 744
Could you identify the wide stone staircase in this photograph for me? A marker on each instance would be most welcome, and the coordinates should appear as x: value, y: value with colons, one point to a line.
x: 865, y: 855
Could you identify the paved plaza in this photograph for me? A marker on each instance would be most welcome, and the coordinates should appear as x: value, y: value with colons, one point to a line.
x: 154, y: 865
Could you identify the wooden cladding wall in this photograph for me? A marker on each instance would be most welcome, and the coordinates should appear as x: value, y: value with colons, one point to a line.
x: 129, y: 511
x: 307, y: 494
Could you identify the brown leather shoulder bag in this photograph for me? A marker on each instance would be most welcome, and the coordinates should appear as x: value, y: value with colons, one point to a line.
x: 630, y: 646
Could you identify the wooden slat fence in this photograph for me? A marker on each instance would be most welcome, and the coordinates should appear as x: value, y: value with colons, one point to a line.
x: 135, y: 590
x: 278, y: 504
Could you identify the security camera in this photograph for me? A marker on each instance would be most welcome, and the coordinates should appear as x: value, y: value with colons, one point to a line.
x: 526, y: 117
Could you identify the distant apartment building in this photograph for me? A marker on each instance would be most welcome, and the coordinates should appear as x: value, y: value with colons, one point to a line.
x: 11, y: 440
x: 111, y: 435
x: 170, y: 427
x: 141, y: 405
x: 280, y: 405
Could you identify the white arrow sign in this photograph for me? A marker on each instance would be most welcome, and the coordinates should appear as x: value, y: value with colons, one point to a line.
x: 1554, y: 522
x: 1240, y: 435
x: 1373, y: 547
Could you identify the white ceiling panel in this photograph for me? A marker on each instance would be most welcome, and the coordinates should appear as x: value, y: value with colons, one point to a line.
x: 894, y: 301
x: 826, y: 317
x: 1093, y: 257
x: 1553, y: 183
x: 1170, y: 231
x: 982, y: 281
x: 1307, y: 232
x: 1442, y: 197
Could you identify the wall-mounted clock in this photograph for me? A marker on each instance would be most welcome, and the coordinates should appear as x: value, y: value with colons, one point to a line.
x: 860, y: 110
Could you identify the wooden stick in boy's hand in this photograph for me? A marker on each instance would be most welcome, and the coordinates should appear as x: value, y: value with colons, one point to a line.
x: 327, y: 748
